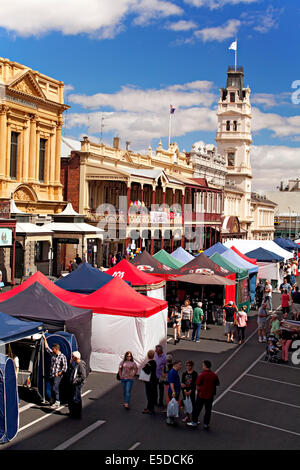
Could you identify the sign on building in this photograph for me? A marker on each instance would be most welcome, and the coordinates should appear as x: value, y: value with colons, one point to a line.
x: 5, y: 237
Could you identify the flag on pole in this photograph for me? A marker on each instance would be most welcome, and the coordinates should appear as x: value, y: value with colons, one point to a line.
x: 172, y: 109
x: 233, y: 46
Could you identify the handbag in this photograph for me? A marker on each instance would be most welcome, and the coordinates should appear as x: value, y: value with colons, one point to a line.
x: 118, y: 377
x: 173, y: 409
x: 144, y: 377
x: 188, y: 406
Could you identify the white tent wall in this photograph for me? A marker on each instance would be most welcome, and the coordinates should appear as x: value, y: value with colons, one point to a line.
x: 269, y: 271
x: 113, y: 335
x: 157, y: 293
x: 248, y: 245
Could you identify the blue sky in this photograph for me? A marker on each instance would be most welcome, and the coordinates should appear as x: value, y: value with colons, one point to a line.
x: 128, y: 60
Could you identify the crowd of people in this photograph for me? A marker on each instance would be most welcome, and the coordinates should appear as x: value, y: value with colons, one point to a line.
x: 163, y: 384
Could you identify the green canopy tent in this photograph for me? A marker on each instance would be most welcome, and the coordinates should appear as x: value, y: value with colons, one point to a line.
x: 242, y: 293
x: 163, y: 257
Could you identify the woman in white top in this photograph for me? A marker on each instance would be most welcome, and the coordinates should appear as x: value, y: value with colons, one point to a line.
x: 187, y: 314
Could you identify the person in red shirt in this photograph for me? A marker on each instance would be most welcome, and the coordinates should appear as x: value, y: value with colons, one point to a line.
x: 285, y: 305
x: 206, y: 386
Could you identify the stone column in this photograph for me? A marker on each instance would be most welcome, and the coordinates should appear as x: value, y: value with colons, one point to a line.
x: 37, y: 152
x: 8, y: 150
x: 58, y: 152
x: 32, y: 148
x: 25, y: 162
x: 3, y: 137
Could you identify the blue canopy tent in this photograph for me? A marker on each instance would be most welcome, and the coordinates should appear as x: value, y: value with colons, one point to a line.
x: 286, y: 243
x: 9, y: 406
x: 264, y: 256
x: 216, y: 248
x: 182, y: 255
x: 234, y: 258
x: 84, y: 280
x: 13, y: 329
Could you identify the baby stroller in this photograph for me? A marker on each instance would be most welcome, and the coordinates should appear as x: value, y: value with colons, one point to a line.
x: 272, y: 349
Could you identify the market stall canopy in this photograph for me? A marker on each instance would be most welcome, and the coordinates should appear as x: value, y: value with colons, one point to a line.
x: 165, y: 258
x: 84, y: 280
x: 235, y: 259
x: 145, y: 262
x: 62, y: 294
x: 118, y: 298
x: 242, y: 255
x: 216, y: 248
x: 286, y: 243
x: 263, y: 255
x: 242, y: 273
x: 203, y: 279
x: 128, y: 272
x: 248, y: 245
x: 182, y: 255
x: 202, y: 265
x: 36, y: 303
x: 13, y: 329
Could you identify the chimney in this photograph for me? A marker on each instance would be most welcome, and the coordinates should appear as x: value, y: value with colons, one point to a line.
x: 116, y: 143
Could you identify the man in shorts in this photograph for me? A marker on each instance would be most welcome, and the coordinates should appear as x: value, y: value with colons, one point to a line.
x: 261, y: 323
x: 230, y: 311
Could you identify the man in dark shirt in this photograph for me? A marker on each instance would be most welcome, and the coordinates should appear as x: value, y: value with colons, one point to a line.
x: 206, y: 385
x: 230, y: 312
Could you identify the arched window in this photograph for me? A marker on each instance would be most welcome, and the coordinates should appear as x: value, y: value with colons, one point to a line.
x: 230, y: 159
x: 227, y: 125
x: 235, y: 125
x: 232, y: 97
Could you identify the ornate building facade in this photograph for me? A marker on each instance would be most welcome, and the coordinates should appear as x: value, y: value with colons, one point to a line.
x: 31, y: 109
x: 163, y: 203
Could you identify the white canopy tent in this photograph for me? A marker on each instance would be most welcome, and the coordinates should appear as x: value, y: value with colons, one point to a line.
x: 244, y: 246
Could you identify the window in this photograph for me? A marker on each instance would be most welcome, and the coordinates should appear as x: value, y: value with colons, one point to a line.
x: 42, y: 159
x: 227, y: 125
x: 14, y: 154
x: 230, y: 159
x: 232, y: 97
x: 235, y: 125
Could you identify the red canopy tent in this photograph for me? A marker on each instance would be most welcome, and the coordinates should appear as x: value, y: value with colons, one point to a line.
x: 141, y: 281
x: 62, y: 294
x: 246, y: 258
x: 124, y: 320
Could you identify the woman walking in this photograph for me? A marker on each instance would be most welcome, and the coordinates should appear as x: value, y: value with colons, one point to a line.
x: 127, y: 371
x: 241, y: 323
x: 176, y: 318
x: 151, y: 386
x: 188, y: 384
x: 187, y: 314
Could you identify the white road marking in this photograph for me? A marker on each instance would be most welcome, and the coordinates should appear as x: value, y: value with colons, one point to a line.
x: 47, y: 415
x: 26, y: 407
x: 273, y: 380
x: 258, y: 423
x: 235, y: 352
x: 263, y: 398
x: 80, y: 435
x: 281, y: 365
x: 137, y: 444
x: 239, y: 378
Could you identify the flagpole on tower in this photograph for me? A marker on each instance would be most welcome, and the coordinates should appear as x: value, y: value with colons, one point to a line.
x: 235, y: 54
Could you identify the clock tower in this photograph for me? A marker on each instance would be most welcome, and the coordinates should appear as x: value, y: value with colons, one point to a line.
x: 234, y: 140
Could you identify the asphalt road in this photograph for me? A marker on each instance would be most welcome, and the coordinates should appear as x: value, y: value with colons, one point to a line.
x: 257, y: 406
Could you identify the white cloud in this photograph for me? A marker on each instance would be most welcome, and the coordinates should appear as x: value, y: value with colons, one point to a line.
x: 281, y: 126
x: 182, y: 25
x: 272, y: 164
x: 263, y: 21
x: 142, y: 115
x: 134, y: 99
x: 219, y: 33
x: 98, y: 18
x: 213, y: 4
